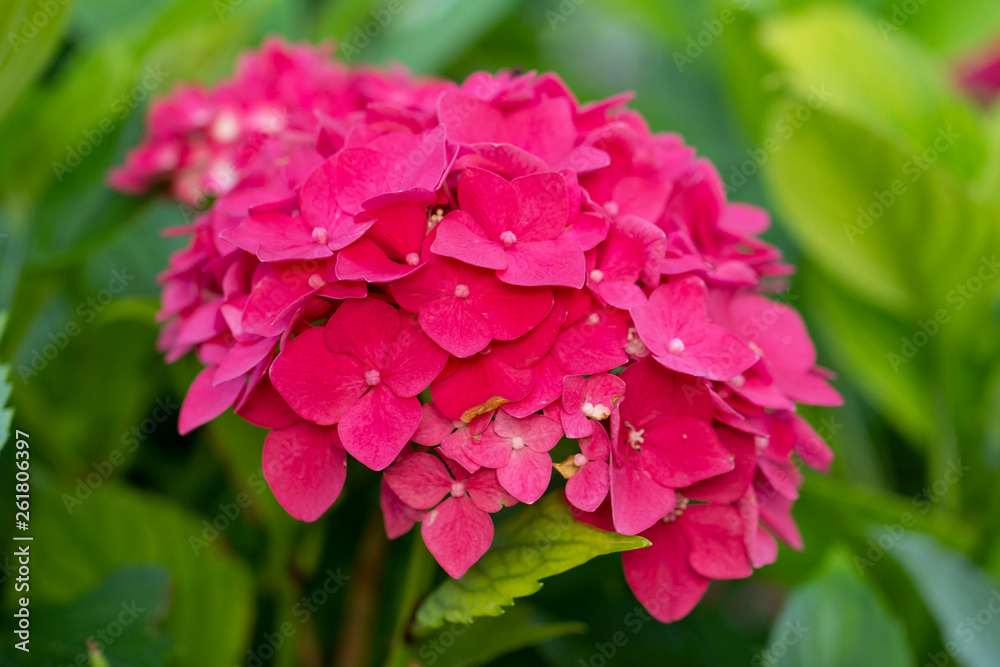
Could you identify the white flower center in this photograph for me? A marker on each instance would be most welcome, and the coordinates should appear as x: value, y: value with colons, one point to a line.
x: 320, y: 235
x: 597, y: 275
x: 462, y: 291
x: 676, y: 346
x: 517, y: 442
x: 508, y: 238
x: 412, y: 259
x: 373, y: 377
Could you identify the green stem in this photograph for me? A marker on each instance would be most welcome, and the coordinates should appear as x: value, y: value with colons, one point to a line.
x: 419, y: 577
x: 354, y: 644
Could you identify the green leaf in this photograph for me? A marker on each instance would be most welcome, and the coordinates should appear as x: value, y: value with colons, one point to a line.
x: 426, y: 35
x: 81, y: 537
x: 836, y: 620
x: 892, y: 87
x: 862, y: 338
x: 962, y: 598
x: 902, y: 233
x: 30, y: 31
x: 121, y: 615
x: 539, y: 541
x: 490, y: 638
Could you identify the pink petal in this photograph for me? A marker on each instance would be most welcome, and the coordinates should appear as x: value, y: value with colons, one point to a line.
x: 479, y: 379
x: 731, y: 486
x: 305, y: 467
x: 537, y: 263
x: 543, y: 204
x: 420, y: 480
x: 378, y: 426
x: 319, y: 385
x: 460, y: 237
x: 265, y: 407
x: 660, y: 575
x: 489, y: 449
x: 485, y: 491
x: 242, y: 357
x: 366, y: 329
x: 489, y: 199
x: 588, y: 488
x: 365, y: 261
x: 526, y: 475
x: 637, y: 502
x: 413, y: 360
x: 457, y: 533
x: 205, y: 401
x: 397, y: 516
x: 715, y: 533
x: 683, y: 450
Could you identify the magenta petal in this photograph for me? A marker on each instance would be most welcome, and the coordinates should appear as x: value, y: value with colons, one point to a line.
x: 637, y: 502
x: 526, y: 475
x: 365, y: 261
x: 420, y: 480
x: 588, y: 488
x: 397, y: 516
x: 718, y: 356
x: 537, y: 263
x: 489, y: 199
x: 413, y: 360
x: 377, y: 428
x: 486, y: 492
x: 457, y: 533
x: 477, y: 380
x: 460, y: 240
x: 242, y: 357
x: 731, y: 486
x: 546, y: 390
x: 305, y: 468
x: 489, y: 449
x: 660, y: 575
x: 319, y: 385
x: 715, y: 533
x: 205, y: 401
x: 681, y: 451
x: 434, y: 426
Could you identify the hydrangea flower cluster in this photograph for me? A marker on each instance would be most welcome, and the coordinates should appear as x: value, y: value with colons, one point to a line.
x: 449, y: 283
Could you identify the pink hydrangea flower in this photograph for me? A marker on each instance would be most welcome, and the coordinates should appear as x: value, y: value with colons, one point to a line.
x: 454, y: 284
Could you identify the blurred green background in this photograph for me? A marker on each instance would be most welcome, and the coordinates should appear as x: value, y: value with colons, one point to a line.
x: 841, y: 118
